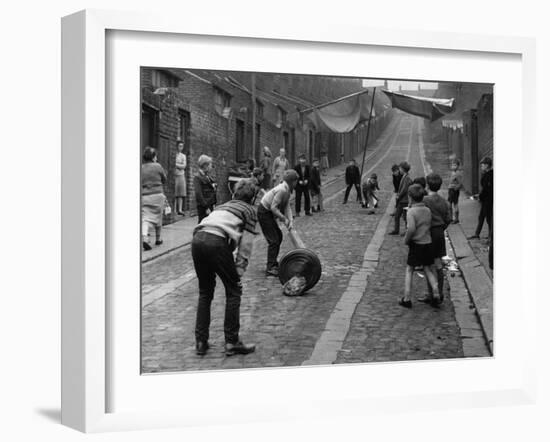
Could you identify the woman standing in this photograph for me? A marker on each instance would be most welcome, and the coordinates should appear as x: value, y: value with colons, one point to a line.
x: 153, y: 178
x: 324, y: 162
x: 266, y: 168
x: 181, y: 186
x: 205, y: 188
x: 280, y: 164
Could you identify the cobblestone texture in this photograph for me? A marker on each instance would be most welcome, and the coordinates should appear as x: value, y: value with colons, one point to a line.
x: 286, y: 329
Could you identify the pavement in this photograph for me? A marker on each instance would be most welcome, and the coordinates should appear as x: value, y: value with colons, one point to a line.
x: 351, y: 315
x: 472, y: 256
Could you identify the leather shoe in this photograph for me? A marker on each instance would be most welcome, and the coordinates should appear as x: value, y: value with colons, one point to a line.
x: 238, y: 349
x: 393, y: 233
x: 202, y: 347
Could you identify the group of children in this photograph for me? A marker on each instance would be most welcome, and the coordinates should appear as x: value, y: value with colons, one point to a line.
x: 427, y: 214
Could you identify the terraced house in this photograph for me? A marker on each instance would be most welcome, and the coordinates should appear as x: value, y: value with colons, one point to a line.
x: 230, y: 116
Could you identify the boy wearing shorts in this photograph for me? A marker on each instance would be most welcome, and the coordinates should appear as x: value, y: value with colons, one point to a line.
x: 441, y: 218
x: 418, y: 238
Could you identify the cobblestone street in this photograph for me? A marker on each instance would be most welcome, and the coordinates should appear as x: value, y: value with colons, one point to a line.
x: 350, y: 316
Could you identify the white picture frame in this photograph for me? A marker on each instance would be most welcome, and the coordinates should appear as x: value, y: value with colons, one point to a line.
x: 85, y: 308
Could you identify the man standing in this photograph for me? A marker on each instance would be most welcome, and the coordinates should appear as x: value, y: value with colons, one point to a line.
x: 280, y: 164
x: 402, y: 196
x: 230, y: 226
x: 485, y: 198
x: 275, y: 205
x: 353, y: 178
x: 302, y: 188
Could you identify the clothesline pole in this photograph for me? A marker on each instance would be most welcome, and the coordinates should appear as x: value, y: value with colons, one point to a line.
x: 333, y: 101
x: 368, y: 131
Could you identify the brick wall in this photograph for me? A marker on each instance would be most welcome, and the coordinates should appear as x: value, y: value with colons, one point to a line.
x: 485, y: 126
x: 468, y: 131
x: 215, y: 135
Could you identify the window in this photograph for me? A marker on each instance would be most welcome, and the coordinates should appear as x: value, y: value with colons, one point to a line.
x: 281, y: 116
x: 259, y: 109
x: 222, y: 100
x: 285, y: 142
x: 163, y: 79
x: 239, y: 141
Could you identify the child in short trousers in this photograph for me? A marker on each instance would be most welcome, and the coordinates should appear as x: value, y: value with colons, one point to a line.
x: 441, y: 218
x: 455, y: 185
x: 418, y: 238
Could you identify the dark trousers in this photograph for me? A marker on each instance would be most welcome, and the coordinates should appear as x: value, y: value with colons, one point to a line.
x: 201, y: 212
x: 357, y: 190
x: 399, y: 213
x: 302, y: 190
x: 273, y: 235
x: 212, y: 256
x: 485, y: 213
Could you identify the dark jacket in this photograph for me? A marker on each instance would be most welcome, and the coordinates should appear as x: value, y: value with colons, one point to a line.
x: 205, y: 190
x: 440, y: 208
x: 305, y: 176
x: 396, y: 180
x: 403, y: 191
x: 315, y: 182
x: 353, y: 175
x: 486, y: 194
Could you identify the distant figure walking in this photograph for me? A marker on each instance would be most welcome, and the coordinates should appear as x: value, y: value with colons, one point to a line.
x: 153, y: 178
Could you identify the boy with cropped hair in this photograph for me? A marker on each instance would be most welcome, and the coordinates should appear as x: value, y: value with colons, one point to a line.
x: 418, y: 238
x: 401, y: 197
x: 441, y: 218
x: 455, y: 184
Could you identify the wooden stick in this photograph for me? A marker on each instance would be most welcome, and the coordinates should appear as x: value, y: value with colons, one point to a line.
x: 296, y: 240
x: 334, y: 101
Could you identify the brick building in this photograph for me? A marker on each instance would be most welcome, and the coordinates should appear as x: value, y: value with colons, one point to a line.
x: 468, y: 131
x: 211, y: 111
